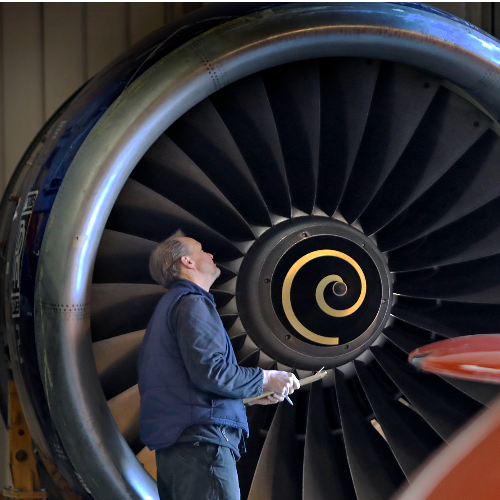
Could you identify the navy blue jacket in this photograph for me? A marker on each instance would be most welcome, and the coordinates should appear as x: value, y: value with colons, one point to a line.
x: 188, y: 373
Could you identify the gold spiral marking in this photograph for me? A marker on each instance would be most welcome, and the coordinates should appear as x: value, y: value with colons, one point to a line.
x: 287, y: 287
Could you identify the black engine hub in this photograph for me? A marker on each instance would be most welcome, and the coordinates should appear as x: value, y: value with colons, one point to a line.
x: 313, y: 292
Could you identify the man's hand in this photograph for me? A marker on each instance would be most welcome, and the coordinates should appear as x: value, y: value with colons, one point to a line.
x: 281, y: 383
x: 268, y: 400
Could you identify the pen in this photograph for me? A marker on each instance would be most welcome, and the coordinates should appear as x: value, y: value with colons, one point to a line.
x: 289, y: 400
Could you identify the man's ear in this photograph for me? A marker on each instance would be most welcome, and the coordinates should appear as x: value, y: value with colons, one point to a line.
x: 186, y: 261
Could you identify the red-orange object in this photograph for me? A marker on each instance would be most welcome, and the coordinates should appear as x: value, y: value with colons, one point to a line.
x: 474, y: 357
x: 467, y: 469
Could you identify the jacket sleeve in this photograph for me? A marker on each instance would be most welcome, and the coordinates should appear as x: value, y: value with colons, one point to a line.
x: 202, y: 342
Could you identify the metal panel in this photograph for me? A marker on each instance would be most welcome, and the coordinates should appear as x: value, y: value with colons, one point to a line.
x: 107, y: 33
x: 22, y: 66
x: 63, y: 52
x: 3, y: 175
x: 145, y: 17
x: 495, y: 29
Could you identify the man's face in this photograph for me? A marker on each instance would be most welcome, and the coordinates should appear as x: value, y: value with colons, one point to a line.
x: 203, y: 261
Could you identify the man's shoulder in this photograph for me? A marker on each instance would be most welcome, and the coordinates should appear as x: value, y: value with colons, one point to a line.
x: 195, y: 307
x: 193, y: 300
x: 174, y: 300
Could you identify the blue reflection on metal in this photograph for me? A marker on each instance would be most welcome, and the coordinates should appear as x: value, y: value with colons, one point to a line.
x: 139, y: 486
x: 495, y: 57
x: 442, y: 13
x: 81, y: 277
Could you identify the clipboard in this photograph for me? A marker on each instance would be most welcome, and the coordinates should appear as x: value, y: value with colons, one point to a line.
x: 303, y: 382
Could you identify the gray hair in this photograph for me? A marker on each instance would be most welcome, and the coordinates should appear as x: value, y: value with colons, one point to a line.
x: 164, y: 265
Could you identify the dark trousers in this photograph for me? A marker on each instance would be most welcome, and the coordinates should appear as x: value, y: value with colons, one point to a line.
x: 197, y: 471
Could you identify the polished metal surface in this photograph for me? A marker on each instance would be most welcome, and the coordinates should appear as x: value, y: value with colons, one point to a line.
x: 106, y: 466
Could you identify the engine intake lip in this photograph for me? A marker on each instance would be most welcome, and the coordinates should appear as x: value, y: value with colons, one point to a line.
x: 287, y: 33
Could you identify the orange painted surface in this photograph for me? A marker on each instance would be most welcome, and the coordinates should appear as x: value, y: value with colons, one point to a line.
x: 467, y: 469
x: 474, y: 357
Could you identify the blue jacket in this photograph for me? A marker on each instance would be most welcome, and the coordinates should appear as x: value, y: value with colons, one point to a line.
x: 188, y: 373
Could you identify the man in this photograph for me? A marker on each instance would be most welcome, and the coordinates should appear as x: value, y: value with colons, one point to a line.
x: 191, y: 386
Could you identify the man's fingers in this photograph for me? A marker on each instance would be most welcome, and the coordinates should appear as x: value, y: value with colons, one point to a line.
x: 272, y: 399
x: 280, y: 382
x: 293, y: 383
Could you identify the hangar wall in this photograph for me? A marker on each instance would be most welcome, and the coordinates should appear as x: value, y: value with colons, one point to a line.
x: 48, y: 50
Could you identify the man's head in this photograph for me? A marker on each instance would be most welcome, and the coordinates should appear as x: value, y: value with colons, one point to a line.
x: 182, y: 257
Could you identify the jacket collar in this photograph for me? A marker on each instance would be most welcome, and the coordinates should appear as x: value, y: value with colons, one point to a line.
x: 188, y: 286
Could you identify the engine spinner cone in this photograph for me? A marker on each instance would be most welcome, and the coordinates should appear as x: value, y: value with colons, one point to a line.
x: 313, y: 291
